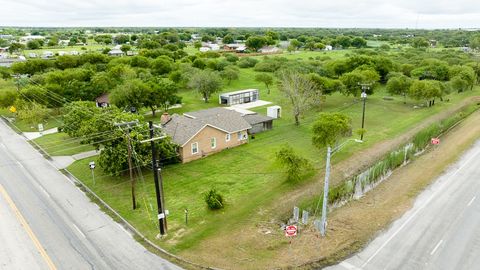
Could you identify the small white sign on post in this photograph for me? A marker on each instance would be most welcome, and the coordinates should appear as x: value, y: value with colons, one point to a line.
x: 40, y: 128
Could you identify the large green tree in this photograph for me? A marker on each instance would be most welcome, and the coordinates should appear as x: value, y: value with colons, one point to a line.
x: 265, y: 78
x: 206, y: 82
x: 133, y: 93
x: 256, y: 42
x: 329, y: 128
x: 162, y: 94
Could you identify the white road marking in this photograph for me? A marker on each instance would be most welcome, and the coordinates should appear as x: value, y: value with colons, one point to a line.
x: 43, y: 190
x: 75, y: 226
x: 471, y: 201
x: 436, y: 247
x: 20, y: 164
x: 414, y: 214
x: 349, y: 266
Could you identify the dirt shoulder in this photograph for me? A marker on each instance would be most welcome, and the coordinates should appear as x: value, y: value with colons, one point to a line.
x: 261, y: 245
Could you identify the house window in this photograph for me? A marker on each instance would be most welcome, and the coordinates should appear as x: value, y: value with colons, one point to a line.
x: 227, y: 137
x: 194, y: 148
x: 213, y: 142
x: 239, y: 135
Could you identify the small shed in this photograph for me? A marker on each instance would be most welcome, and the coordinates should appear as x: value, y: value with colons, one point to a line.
x: 274, y: 111
x: 258, y: 122
x: 239, y: 97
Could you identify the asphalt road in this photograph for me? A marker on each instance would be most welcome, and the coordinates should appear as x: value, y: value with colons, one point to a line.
x: 441, y: 231
x: 46, y: 222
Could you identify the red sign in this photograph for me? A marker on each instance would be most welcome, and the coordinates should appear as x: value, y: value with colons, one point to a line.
x: 435, y: 141
x: 291, y: 230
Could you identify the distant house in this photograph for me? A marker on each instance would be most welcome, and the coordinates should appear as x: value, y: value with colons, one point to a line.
x: 63, y: 42
x: 239, y: 97
x: 26, y: 39
x: 74, y: 53
x: 62, y: 53
x: 48, y: 54
x: 208, y: 46
x: 234, y: 47
x: 32, y: 55
x: 328, y: 48
x: 103, y: 101
x: 269, y: 49
x: 202, y: 133
x: 116, y: 52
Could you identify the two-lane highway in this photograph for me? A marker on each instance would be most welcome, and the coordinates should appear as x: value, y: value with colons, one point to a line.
x: 441, y: 231
x: 48, y: 223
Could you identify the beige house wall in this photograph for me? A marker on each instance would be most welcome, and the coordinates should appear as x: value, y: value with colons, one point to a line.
x: 203, y: 138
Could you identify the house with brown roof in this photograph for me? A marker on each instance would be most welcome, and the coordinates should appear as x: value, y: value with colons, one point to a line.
x: 202, y: 133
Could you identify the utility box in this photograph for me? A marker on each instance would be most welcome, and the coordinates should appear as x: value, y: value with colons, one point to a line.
x: 274, y: 111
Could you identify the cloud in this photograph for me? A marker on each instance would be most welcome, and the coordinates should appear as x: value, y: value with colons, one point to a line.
x: 249, y: 13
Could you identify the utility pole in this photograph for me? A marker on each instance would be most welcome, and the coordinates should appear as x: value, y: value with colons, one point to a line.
x: 323, y: 229
x: 365, y: 87
x: 157, y: 177
x: 330, y: 153
x: 129, y: 149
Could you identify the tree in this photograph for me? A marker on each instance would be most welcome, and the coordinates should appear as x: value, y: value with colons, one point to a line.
x: 227, y: 39
x: 420, y: 42
x: 162, y: 94
x: 31, y: 112
x: 255, y: 42
x: 294, y: 164
x: 5, y: 73
x: 230, y: 73
x: 351, y: 80
x: 327, y: 85
x: 300, y: 91
x: 329, y: 128
x: 427, y: 90
x: 206, y: 82
x: 161, y: 65
x: 359, y: 42
x: 75, y: 113
x: 15, y: 47
x: 125, y: 48
x: 213, y: 199
x: 265, y: 78
x: 399, y: 85
x: 33, y: 45
x: 132, y: 93
x: 475, y: 42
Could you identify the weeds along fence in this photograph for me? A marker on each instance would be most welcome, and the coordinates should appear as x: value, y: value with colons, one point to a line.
x: 358, y: 185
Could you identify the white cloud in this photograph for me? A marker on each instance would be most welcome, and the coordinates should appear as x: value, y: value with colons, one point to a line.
x: 275, y: 13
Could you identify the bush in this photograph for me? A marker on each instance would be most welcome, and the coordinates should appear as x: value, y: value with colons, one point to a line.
x: 213, y: 199
x: 247, y: 62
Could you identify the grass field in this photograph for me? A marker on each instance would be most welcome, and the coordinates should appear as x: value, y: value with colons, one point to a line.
x: 60, y: 144
x: 247, y: 176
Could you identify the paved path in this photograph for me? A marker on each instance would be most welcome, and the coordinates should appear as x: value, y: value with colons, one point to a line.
x: 34, y: 135
x: 67, y: 231
x: 441, y: 231
x: 62, y: 162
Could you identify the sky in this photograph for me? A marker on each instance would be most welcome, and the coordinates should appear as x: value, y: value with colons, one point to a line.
x: 411, y: 14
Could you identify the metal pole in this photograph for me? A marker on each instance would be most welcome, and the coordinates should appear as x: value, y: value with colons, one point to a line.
x: 363, y: 118
x: 160, y: 213
x: 323, y: 229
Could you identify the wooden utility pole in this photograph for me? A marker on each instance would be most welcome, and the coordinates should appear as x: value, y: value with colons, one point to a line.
x: 157, y: 178
x: 129, y: 150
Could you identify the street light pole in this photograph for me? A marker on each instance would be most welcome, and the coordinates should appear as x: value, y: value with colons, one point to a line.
x: 365, y: 87
x: 330, y: 152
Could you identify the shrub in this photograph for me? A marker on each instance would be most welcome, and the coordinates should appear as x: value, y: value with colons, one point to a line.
x: 213, y: 199
x: 247, y: 62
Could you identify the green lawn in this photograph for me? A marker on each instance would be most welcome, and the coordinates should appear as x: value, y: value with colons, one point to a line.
x: 247, y: 176
x: 60, y: 144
